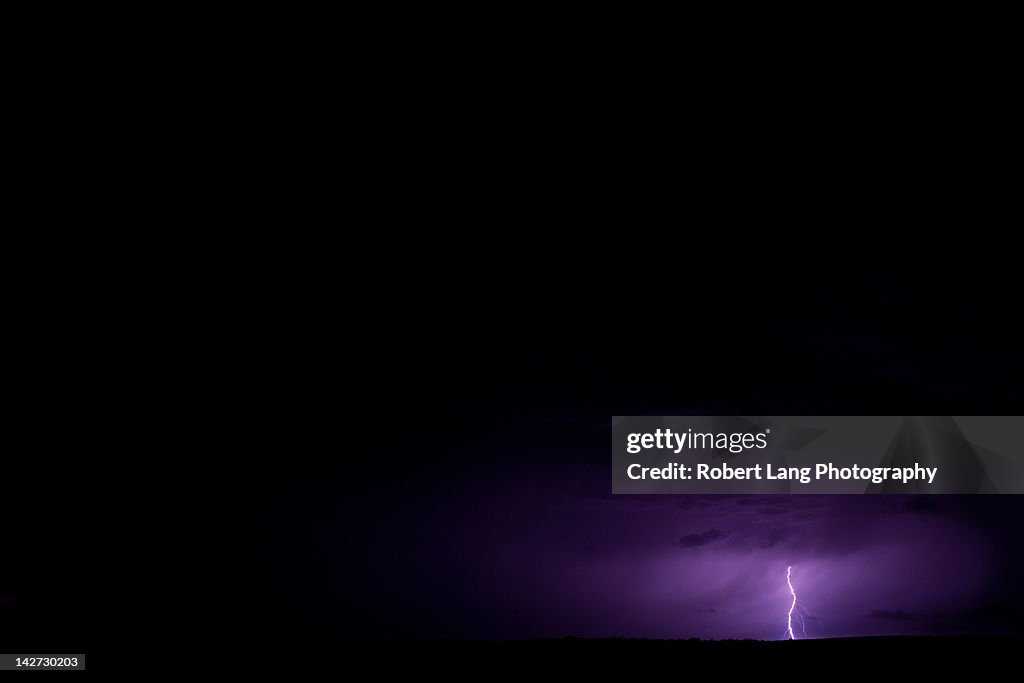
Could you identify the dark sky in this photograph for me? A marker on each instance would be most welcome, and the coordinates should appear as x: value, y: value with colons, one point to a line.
x: 441, y: 468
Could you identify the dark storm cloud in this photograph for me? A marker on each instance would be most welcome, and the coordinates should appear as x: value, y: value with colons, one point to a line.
x: 1000, y: 613
x: 776, y: 537
x: 921, y: 505
x: 897, y: 615
x: 703, y: 538
x: 760, y: 505
x: 1003, y: 618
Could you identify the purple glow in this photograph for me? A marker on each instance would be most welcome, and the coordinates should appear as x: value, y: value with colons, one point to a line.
x: 789, y: 617
x: 550, y: 560
x: 709, y: 566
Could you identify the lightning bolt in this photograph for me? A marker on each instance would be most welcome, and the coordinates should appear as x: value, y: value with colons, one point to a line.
x: 789, y: 617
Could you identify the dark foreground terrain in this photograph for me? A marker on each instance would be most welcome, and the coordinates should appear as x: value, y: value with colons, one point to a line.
x: 572, y: 657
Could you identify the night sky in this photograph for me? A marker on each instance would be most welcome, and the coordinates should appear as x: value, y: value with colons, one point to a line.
x: 366, y: 403
x: 465, y: 492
